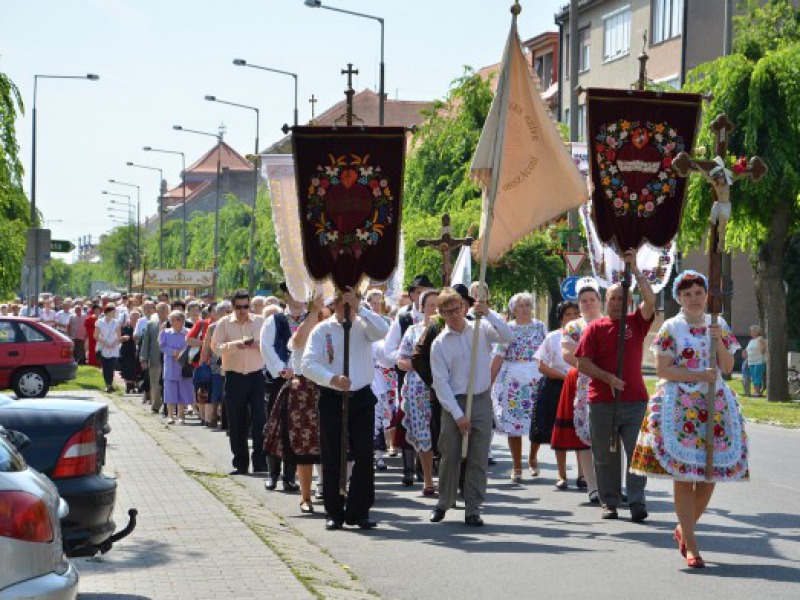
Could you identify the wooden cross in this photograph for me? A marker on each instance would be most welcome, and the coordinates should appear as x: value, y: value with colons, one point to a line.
x: 717, y: 174
x: 445, y: 245
x: 349, y: 92
x: 313, y: 101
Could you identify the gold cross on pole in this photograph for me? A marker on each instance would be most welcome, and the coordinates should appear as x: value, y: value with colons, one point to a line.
x: 445, y: 244
x: 313, y: 101
x: 349, y: 92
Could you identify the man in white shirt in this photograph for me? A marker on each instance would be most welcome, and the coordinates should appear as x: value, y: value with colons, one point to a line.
x: 450, y: 364
x: 63, y: 316
x: 323, y: 363
x: 48, y: 315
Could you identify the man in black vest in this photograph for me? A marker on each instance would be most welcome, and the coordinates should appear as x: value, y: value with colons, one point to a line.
x: 275, y: 335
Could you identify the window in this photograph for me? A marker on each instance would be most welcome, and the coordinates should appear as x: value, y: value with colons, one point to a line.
x: 7, y: 333
x: 31, y: 334
x: 583, y: 52
x: 667, y: 19
x: 581, y: 122
x: 543, y: 65
x: 617, y: 26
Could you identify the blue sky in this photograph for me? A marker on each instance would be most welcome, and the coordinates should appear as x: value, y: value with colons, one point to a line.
x: 157, y: 59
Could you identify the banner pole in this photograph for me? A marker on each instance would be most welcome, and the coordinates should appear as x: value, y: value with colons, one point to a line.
x: 346, y: 325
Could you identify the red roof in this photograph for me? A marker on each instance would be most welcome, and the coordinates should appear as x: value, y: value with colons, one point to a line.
x: 229, y: 159
x: 193, y: 189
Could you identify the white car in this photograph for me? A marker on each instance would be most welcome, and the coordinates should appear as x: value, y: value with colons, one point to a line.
x: 31, y: 553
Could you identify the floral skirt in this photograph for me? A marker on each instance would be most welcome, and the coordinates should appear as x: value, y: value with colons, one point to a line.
x: 565, y: 435
x: 513, y: 394
x: 672, y: 440
x: 417, y: 413
x: 545, y: 407
x: 292, y: 429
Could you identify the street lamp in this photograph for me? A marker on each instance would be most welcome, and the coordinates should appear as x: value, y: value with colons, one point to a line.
x: 240, y: 62
x: 219, y: 194
x: 138, y: 217
x: 183, y: 190
x: 252, y: 266
x: 160, y: 209
x: 318, y: 4
x: 36, y: 78
x: 129, y: 205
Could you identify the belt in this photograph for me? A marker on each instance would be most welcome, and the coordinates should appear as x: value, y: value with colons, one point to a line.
x: 243, y: 374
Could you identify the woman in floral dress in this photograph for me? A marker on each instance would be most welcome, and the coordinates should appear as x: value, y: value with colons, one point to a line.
x: 516, y: 378
x: 384, y: 385
x: 672, y: 439
x: 416, y: 396
x: 571, y: 430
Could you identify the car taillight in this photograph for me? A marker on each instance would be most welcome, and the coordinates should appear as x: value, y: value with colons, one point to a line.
x: 79, y: 456
x: 23, y: 516
x: 66, y: 351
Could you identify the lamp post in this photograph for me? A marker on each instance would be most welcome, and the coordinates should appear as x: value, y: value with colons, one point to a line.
x: 240, y: 62
x: 183, y: 192
x: 138, y: 215
x: 219, y: 193
x: 36, y: 267
x: 318, y: 4
x: 252, y: 265
x: 160, y: 208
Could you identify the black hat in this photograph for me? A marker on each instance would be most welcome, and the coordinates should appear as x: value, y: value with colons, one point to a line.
x: 464, y: 293
x: 420, y: 281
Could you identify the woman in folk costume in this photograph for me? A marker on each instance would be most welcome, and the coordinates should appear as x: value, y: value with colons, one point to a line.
x: 571, y: 430
x: 672, y: 439
x: 384, y: 385
x: 416, y: 396
x: 516, y: 377
x: 292, y: 431
x: 554, y: 369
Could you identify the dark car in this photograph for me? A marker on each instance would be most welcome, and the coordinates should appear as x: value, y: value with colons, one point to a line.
x: 33, y: 356
x: 68, y: 445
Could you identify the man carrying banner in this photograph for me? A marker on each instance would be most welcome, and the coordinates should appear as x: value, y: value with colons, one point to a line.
x: 450, y: 362
x: 323, y: 363
x: 597, y: 358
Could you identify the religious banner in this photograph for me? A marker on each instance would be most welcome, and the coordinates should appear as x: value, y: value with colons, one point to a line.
x: 655, y: 263
x: 634, y: 137
x: 172, y: 278
x: 349, y: 189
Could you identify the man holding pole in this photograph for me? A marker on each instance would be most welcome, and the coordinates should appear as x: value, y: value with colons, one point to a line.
x: 323, y: 363
x: 597, y: 358
x: 451, y: 354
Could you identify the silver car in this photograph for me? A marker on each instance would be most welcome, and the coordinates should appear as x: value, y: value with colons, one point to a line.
x: 31, y: 554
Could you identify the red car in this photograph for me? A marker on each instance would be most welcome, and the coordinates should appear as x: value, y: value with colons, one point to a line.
x: 33, y: 356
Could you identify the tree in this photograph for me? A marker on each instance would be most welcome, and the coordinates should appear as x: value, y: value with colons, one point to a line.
x: 14, y: 213
x: 758, y: 86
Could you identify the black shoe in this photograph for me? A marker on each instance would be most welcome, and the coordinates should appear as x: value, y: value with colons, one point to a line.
x: 580, y: 483
x: 290, y: 486
x: 437, y: 514
x: 238, y: 472
x: 609, y: 512
x: 492, y: 461
x: 473, y: 521
x: 638, y: 512
x: 364, y: 523
x: 261, y: 469
x: 270, y: 483
x: 333, y: 524
x: 408, y: 480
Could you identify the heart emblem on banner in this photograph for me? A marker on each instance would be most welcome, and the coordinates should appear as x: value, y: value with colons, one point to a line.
x: 348, y: 205
x: 639, y: 161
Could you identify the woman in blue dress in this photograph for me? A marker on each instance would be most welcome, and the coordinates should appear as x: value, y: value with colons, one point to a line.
x: 178, y: 389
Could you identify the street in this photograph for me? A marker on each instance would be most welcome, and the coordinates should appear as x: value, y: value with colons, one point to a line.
x: 203, y: 534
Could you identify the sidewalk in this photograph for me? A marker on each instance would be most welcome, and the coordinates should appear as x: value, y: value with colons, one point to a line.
x: 187, y: 543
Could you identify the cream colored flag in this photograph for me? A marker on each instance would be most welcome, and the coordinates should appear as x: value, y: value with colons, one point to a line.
x: 523, y: 166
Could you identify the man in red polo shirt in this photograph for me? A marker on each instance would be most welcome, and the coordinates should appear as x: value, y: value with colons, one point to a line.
x: 597, y: 358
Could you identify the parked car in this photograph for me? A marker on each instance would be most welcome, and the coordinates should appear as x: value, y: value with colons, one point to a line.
x: 33, y: 356
x: 31, y: 555
x: 68, y: 445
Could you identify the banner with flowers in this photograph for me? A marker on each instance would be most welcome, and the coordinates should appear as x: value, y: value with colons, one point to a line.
x: 349, y: 189
x: 633, y: 137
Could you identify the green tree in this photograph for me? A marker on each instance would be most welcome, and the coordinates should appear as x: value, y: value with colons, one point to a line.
x: 117, y: 251
x: 14, y: 212
x: 758, y: 86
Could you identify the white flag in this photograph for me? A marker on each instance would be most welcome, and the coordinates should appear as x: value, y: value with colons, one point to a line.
x: 462, y: 272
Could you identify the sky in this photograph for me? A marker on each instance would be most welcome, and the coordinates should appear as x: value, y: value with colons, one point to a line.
x: 158, y: 59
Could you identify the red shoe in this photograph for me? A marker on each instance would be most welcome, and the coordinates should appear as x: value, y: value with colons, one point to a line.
x: 696, y: 562
x: 679, y: 538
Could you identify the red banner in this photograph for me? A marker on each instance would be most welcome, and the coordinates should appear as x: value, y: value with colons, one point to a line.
x: 349, y: 190
x: 633, y: 138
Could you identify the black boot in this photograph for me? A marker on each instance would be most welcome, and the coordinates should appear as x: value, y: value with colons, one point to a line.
x: 408, y: 467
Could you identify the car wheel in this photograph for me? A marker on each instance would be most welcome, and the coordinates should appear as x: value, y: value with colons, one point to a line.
x: 31, y: 383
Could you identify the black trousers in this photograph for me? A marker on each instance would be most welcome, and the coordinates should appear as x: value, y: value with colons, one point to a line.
x: 244, y: 398
x: 108, y: 364
x: 274, y: 463
x: 360, y: 426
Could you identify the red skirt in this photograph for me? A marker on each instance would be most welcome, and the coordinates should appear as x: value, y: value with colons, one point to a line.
x: 292, y: 429
x: 564, y: 435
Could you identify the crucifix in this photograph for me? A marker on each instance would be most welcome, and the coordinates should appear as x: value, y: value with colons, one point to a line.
x: 349, y: 92
x: 313, y: 101
x: 445, y: 245
x: 721, y: 178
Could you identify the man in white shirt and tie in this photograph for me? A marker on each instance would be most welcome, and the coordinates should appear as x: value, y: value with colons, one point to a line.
x: 450, y: 363
x: 323, y: 363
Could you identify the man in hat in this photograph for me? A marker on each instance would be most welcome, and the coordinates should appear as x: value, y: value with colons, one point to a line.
x: 323, y: 363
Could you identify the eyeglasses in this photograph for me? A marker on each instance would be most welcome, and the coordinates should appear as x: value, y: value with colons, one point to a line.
x: 242, y: 307
x: 450, y: 311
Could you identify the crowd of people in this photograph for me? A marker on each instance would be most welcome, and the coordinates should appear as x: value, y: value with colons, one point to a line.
x: 284, y: 376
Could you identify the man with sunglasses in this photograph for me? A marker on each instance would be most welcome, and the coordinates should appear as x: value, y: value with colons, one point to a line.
x: 237, y: 340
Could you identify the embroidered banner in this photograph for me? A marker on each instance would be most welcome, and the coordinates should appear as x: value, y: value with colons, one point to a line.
x: 349, y: 188
x: 633, y: 138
